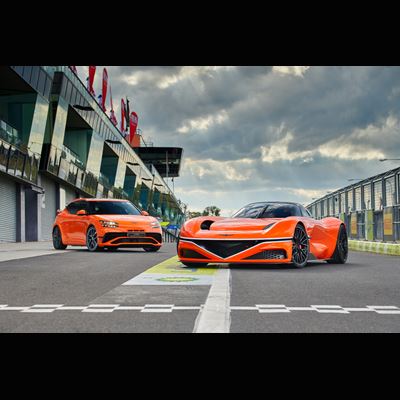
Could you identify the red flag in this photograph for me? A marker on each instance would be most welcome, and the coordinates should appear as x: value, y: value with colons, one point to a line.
x: 122, y: 116
x: 133, y: 123
x: 104, y: 92
x: 92, y: 71
x: 112, y: 115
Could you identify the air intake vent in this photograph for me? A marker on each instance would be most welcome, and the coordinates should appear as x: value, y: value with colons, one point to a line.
x: 268, y: 255
x: 205, y: 225
x: 187, y: 253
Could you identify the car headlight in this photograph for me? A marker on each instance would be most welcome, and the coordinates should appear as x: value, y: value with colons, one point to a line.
x: 109, y: 224
x: 155, y: 224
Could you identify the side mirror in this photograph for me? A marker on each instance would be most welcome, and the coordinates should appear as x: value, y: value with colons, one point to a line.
x: 145, y: 213
x: 81, y: 212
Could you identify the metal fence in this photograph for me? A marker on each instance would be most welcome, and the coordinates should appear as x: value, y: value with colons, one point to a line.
x: 370, y: 208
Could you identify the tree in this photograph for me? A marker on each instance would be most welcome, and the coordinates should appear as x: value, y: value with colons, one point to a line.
x: 193, y: 214
x: 211, y: 211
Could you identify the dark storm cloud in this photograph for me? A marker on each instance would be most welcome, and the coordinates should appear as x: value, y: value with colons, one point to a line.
x: 307, y: 127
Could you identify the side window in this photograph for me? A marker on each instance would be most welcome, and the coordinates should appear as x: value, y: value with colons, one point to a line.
x: 305, y: 212
x: 74, y: 207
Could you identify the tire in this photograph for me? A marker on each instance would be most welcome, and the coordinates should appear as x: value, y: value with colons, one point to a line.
x: 57, y: 239
x: 151, y: 249
x: 92, y: 243
x: 194, y: 265
x: 342, y: 248
x: 301, y: 247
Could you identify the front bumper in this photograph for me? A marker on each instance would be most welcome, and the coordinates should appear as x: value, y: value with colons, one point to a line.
x: 255, y: 251
x: 129, y: 239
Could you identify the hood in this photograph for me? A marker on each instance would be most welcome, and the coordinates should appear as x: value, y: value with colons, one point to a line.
x: 235, y: 224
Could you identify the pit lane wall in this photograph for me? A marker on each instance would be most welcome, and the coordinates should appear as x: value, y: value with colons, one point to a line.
x: 370, y: 209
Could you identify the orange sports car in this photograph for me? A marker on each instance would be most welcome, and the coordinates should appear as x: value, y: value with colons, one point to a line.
x: 105, y: 223
x: 264, y: 232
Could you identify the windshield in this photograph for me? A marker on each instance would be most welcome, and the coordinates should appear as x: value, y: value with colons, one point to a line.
x: 112, y: 208
x: 250, y: 211
x: 268, y: 210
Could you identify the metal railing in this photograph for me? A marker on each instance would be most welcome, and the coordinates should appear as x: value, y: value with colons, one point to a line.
x: 168, y: 236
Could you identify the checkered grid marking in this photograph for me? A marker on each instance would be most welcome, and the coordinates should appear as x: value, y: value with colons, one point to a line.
x: 168, y: 308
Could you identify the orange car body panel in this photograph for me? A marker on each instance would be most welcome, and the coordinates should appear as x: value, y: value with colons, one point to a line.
x: 74, y: 227
x: 322, y: 234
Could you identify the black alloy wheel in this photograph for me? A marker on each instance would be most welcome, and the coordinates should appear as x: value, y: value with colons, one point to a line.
x: 91, y: 239
x: 301, y: 247
x: 57, y: 239
x: 342, y: 248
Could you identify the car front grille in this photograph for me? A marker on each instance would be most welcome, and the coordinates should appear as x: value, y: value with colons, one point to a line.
x: 226, y: 248
x: 149, y: 238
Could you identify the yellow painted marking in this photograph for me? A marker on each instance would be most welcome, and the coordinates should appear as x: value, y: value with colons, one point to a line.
x: 173, y: 266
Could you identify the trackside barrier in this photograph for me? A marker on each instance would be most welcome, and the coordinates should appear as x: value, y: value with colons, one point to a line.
x: 168, y: 236
x: 392, y: 249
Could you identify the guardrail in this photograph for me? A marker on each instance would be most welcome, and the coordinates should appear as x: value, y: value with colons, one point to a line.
x: 168, y: 236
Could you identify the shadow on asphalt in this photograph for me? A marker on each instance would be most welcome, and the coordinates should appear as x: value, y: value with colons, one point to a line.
x: 311, y: 266
x: 118, y: 251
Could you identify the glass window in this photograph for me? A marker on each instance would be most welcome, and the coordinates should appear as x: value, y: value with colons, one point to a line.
x: 305, y: 212
x: 47, y: 88
x: 74, y: 207
x: 63, y: 90
x: 42, y: 81
x: 68, y: 92
x: 27, y: 73
x: 276, y: 210
x: 112, y: 208
x: 35, y: 75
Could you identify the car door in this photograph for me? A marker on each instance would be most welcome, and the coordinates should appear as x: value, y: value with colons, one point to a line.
x: 75, y: 224
x: 81, y: 224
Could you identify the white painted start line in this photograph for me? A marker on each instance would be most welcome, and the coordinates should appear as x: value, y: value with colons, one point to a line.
x: 216, y: 317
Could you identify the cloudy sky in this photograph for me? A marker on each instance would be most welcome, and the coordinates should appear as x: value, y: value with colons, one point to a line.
x: 264, y: 133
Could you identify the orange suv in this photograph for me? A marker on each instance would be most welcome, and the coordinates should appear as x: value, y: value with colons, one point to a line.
x: 106, y: 223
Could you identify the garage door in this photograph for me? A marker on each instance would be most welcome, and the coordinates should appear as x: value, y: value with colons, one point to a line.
x: 8, y: 210
x: 48, y: 207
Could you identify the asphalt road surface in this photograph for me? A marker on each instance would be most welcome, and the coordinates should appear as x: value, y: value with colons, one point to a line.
x: 134, y: 291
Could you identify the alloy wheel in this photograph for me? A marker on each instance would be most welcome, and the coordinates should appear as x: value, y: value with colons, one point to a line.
x: 300, y: 248
x: 91, y: 239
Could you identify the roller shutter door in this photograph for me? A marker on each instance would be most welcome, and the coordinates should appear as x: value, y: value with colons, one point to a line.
x: 8, y: 210
x: 48, y: 207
